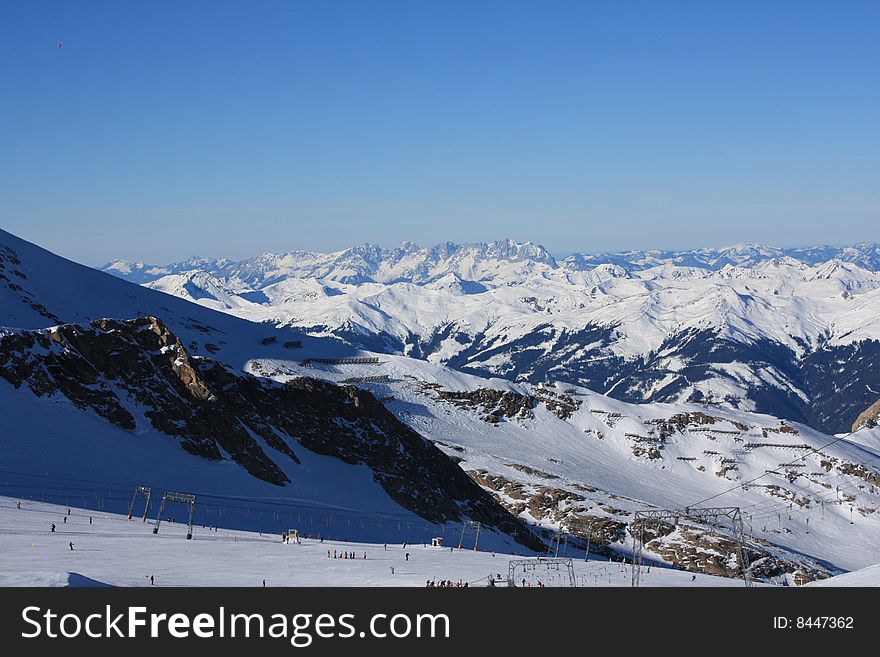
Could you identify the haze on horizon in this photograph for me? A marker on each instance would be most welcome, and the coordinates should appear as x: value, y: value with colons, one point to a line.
x: 158, y: 131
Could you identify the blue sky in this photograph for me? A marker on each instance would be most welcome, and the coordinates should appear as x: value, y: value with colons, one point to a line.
x: 161, y: 130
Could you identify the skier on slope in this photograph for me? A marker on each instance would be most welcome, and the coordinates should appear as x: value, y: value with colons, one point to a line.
x: 53, y: 528
x: 71, y: 546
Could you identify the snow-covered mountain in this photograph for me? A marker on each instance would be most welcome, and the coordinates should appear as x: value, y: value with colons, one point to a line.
x: 371, y: 445
x: 95, y: 386
x: 791, y: 332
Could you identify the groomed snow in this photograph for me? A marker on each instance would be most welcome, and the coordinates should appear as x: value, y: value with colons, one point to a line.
x: 118, y: 552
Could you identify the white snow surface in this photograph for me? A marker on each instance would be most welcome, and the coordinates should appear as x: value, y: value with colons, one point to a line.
x: 506, y: 289
x: 113, y: 551
x: 572, y: 454
x: 869, y: 576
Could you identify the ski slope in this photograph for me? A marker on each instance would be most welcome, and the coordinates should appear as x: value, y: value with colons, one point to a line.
x: 869, y: 576
x: 584, y: 450
x: 114, y: 551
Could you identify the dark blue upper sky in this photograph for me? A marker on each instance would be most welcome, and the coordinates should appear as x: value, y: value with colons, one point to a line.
x: 160, y: 130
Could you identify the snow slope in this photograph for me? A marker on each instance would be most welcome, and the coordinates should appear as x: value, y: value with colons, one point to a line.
x: 869, y: 576
x: 66, y: 292
x: 53, y: 440
x: 806, y: 507
x: 117, y: 552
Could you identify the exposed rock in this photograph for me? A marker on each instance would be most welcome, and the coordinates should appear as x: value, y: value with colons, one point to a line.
x: 869, y: 418
x: 495, y: 405
x: 562, y: 405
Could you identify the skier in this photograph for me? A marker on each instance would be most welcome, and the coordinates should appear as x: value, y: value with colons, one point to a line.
x: 53, y: 528
x: 407, y: 556
x: 90, y: 520
x: 386, y: 547
x: 65, y: 519
x: 151, y: 580
x: 264, y: 583
x: 18, y: 505
x: 693, y: 577
x: 71, y: 546
x: 68, y: 510
x: 392, y: 570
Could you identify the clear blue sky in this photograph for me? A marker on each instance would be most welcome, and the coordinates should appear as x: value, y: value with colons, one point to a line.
x: 161, y: 130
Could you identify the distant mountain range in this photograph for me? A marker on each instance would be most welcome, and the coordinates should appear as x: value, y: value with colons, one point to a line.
x: 794, y: 332
x: 102, y: 380
x: 419, y: 265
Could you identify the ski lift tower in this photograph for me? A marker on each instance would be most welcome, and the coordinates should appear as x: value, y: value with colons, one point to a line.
x: 474, y: 527
x: 560, y: 538
x: 147, y: 493
x: 541, y: 564
x: 182, y: 498
x: 713, y: 516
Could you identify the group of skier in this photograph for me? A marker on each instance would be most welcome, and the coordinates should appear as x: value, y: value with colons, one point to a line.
x: 446, y: 584
x: 53, y: 526
x: 345, y: 554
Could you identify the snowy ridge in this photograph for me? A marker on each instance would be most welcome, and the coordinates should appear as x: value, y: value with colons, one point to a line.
x: 752, y: 327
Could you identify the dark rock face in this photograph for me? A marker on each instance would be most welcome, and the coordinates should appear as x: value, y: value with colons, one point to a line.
x: 352, y: 425
x: 112, y: 366
x: 494, y: 404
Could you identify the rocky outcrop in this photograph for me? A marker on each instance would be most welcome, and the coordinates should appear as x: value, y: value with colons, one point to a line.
x: 869, y: 418
x: 705, y: 550
x: 113, y: 367
x: 588, y: 519
x: 494, y: 405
